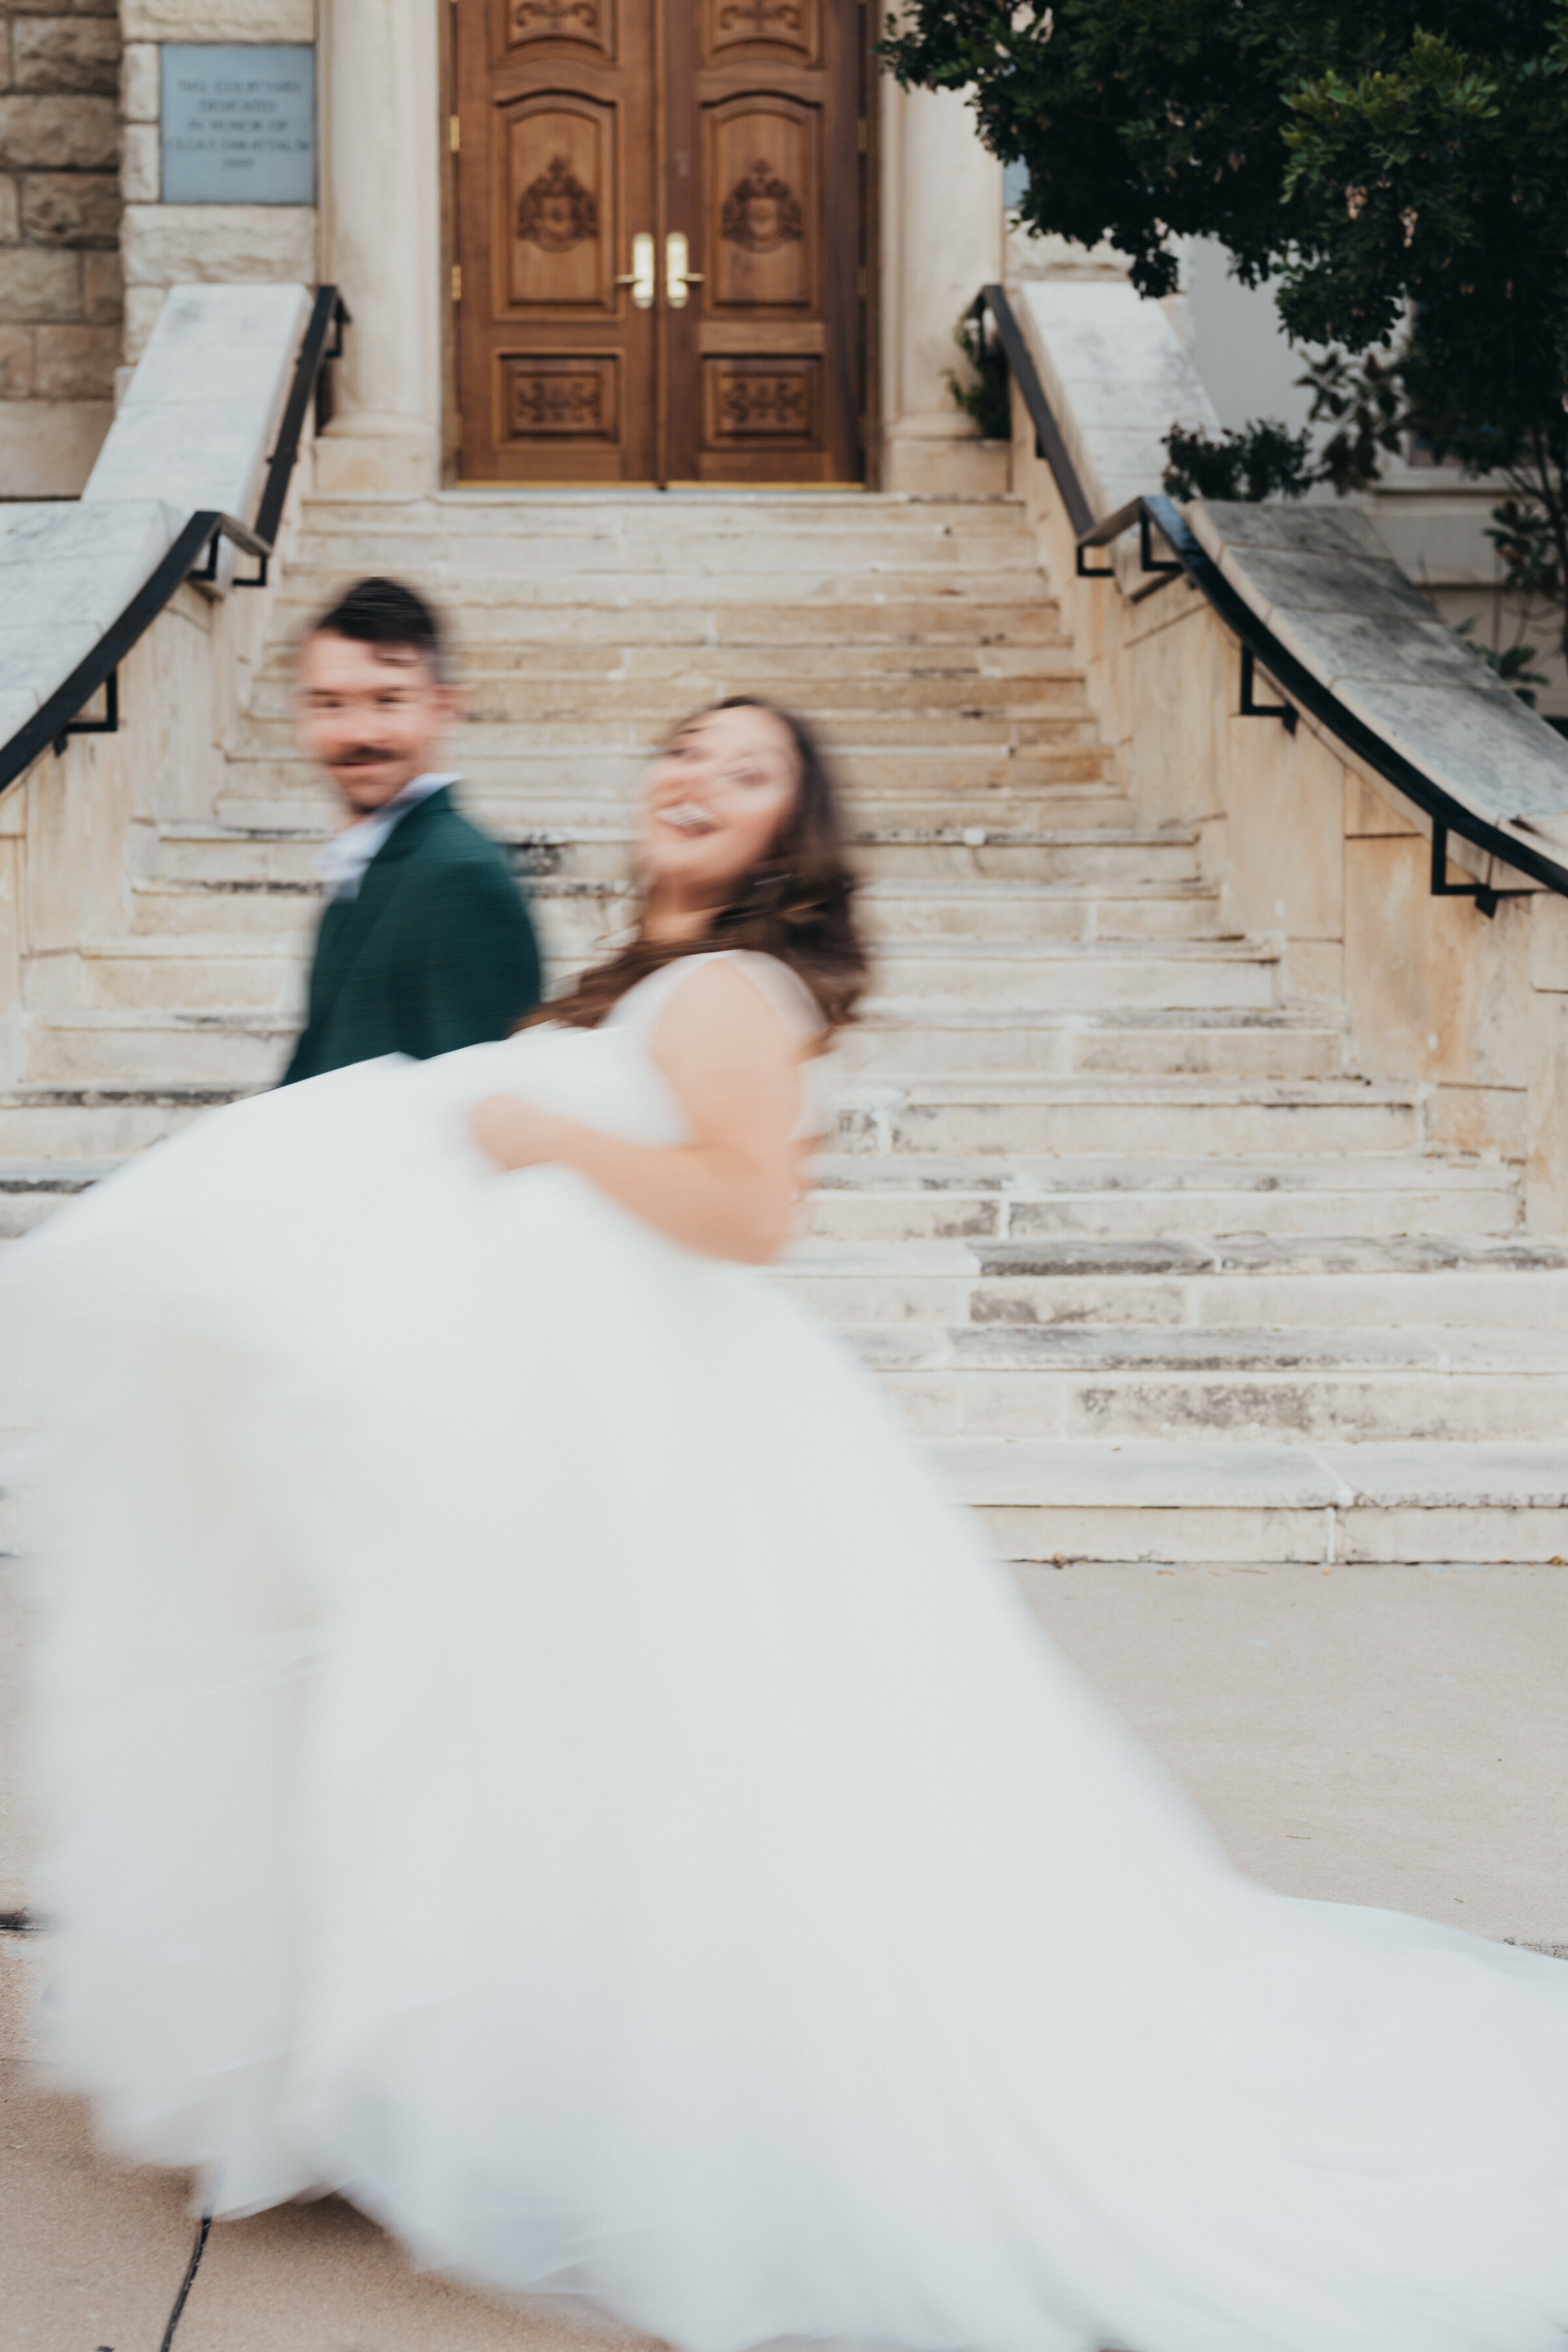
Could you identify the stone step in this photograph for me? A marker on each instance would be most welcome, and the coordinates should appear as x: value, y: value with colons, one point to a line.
x: 693, y: 669
x: 210, y: 974
x: 1431, y: 1384
x: 1028, y: 1116
x: 265, y: 849
x: 546, y: 703
x: 1286, y: 1284
x: 525, y: 574
x: 970, y: 549
x: 1048, y: 975
x: 985, y: 737
x: 158, y: 1050
x: 657, y: 514
x: 1202, y: 1499
x: 487, y: 622
x: 70, y: 1127
x: 934, y: 773
x: 959, y: 910
x: 517, y: 803
x: 32, y: 1190
x: 284, y: 912
x: 1132, y: 1199
x: 894, y: 1043
x: 913, y: 909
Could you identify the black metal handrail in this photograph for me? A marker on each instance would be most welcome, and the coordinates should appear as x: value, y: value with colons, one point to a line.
x: 992, y: 304
x: 193, y: 556
x: 1260, y: 648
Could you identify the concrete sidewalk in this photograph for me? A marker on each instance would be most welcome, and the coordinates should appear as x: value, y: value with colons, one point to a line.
x: 1372, y: 1735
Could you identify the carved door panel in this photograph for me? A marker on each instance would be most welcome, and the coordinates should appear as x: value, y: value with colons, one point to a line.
x: 556, y: 171
x: 763, y: 361
x: 659, y: 238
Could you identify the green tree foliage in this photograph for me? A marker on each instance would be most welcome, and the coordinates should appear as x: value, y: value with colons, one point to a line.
x: 982, y: 388
x: 1260, y: 461
x: 1398, y: 161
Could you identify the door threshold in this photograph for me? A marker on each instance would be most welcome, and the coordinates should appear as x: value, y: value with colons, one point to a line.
x: 651, y: 491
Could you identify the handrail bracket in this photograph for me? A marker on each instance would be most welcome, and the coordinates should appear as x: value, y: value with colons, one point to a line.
x: 193, y: 557
x: 1484, y: 894
x: 108, y: 725
x: 1251, y: 708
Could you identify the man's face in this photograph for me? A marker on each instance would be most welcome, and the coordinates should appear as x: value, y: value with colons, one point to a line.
x: 373, y: 715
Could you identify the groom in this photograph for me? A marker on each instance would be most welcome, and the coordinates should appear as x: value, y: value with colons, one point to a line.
x: 425, y: 943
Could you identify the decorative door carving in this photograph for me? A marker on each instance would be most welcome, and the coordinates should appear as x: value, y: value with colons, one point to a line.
x: 659, y: 240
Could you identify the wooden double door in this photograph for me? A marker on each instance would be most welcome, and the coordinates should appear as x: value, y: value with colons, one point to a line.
x: 659, y: 209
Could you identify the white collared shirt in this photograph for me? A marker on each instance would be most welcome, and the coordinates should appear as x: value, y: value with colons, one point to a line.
x: 340, y: 863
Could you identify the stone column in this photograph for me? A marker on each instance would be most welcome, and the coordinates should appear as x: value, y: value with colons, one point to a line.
x: 941, y: 241
x: 381, y: 201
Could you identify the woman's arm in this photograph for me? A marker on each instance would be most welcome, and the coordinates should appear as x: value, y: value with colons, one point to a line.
x: 735, y: 1064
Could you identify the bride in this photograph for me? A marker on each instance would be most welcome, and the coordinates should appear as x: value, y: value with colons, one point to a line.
x: 524, y: 1738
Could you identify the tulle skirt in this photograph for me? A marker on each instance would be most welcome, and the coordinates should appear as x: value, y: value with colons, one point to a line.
x: 523, y: 1738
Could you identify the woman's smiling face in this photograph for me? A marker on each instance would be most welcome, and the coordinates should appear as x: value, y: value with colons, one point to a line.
x: 715, y: 803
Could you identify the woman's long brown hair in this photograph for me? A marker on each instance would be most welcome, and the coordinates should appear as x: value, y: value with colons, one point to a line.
x: 797, y: 905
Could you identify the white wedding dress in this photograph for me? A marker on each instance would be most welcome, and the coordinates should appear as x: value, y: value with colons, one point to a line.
x: 526, y: 1740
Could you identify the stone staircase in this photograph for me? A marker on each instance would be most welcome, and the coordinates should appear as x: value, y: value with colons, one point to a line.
x: 1108, y: 1207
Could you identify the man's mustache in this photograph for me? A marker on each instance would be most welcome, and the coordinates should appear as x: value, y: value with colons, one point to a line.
x: 365, y: 755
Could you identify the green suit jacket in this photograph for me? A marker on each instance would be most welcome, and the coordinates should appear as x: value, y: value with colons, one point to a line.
x: 436, y: 952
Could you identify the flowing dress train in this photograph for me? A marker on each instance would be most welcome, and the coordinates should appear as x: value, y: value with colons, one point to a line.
x: 524, y: 1738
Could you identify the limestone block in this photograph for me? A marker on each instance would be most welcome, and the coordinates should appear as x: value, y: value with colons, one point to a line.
x: 141, y: 96
x: 143, y: 304
x: 1480, y: 1118
x: 1484, y: 745
x: 65, y: 53
x: 76, y: 134
x: 39, y: 285
x: 76, y: 362
x: 15, y: 362
x: 1546, y: 1164
x: 64, y: 573
x: 218, y: 244
x: 1315, y: 970
x: 1301, y: 529
x: 48, y: 448
x: 72, y: 207
x: 1549, y: 943
x: 1177, y: 692
x: 1355, y: 646
x: 11, y: 904
x: 1433, y: 990
x: 945, y: 466
x: 1285, y: 795
x: 1373, y: 808
x: 102, y: 292
x: 1285, y: 587
x: 141, y: 163
x: 218, y: 20
x: 1117, y: 380
x: 197, y: 420
x: 1319, y: 578
x: 10, y: 211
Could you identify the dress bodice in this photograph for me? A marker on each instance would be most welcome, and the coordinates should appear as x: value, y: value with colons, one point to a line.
x: 637, y: 1014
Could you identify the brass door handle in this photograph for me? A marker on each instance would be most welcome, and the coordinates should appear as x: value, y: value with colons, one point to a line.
x: 640, y: 276
x: 678, y: 277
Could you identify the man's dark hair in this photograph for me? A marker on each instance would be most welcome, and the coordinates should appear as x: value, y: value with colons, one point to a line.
x: 385, y: 613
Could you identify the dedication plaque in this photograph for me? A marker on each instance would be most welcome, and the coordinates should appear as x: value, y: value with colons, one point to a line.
x: 239, y: 124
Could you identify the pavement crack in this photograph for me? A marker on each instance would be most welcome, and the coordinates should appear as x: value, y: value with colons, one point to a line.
x: 191, y: 2267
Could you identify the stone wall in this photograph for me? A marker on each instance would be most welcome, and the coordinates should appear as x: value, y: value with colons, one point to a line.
x: 1320, y: 852
x: 60, y: 235
x: 168, y: 245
